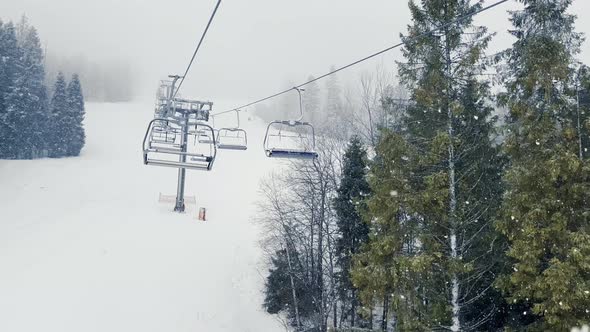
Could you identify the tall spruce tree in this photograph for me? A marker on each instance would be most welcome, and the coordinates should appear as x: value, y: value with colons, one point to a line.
x: 436, y: 184
x: 61, y: 120
x: 75, y: 111
x: 386, y: 265
x: 545, y: 211
x: 4, y: 83
x: 26, y: 102
x: 10, y: 55
x: 352, y: 230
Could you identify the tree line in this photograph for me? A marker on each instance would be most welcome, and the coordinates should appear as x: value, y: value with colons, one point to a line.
x: 437, y: 213
x: 32, y: 123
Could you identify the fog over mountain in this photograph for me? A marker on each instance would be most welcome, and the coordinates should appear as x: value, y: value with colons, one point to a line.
x: 253, y: 48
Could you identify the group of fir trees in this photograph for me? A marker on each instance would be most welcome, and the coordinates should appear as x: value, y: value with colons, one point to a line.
x: 459, y: 221
x: 470, y: 229
x: 31, y: 124
x: 66, y: 137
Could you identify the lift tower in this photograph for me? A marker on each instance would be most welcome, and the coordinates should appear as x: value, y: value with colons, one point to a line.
x: 166, y: 139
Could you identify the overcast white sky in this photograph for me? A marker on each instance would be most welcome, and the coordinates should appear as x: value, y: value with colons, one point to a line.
x: 253, y: 48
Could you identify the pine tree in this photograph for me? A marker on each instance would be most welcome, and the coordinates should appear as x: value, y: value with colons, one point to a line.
x: 436, y: 184
x: 9, y: 64
x: 26, y: 102
x: 545, y: 210
x: 353, y: 231
x: 3, y: 85
x: 278, y: 293
x: 388, y: 265
x: 61, y: 120
x: 75, y: 110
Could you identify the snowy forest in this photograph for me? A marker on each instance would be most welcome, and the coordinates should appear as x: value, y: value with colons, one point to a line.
x: 460, y: 204
x: 34, y: 124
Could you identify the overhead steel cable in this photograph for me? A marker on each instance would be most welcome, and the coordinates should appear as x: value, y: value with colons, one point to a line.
x: 442, y: 27
x: 197, y: 49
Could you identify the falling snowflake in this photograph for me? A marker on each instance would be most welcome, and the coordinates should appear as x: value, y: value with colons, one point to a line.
x: 512, y: 217
x: 476, y: 117
x: 393, y: 193
x: 537, y: 142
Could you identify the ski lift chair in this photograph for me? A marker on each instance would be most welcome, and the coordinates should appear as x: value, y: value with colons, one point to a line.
x: 163, y: 133
x: 298, y: 131
x: 233, y: 138
x: 174, y: 155
x: 204, y: 148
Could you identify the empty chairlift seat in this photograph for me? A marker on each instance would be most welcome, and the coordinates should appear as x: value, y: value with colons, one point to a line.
x: 233, y: 138
x: 294, y: 139
x: 195, y: 156
x: 290, y: 139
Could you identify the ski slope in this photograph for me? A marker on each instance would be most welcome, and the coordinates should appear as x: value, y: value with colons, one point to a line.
x: 85, y: 245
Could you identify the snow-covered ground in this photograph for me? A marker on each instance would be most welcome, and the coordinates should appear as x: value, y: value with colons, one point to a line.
x: 85, y: 245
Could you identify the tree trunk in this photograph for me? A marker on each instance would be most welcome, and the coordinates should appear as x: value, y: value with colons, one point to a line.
x: 385, y: 313
x: 353, y: 308
x: 578, y: 113
x: 335, y: 318
x: 297, y: 319
x: 456, y: 309
x: 319, y: 261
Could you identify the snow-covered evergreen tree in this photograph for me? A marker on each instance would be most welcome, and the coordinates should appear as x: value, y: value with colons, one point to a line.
x: 9, y: 65
x: 26, y: 102
x: 75, y: 110
x: 61, y: 120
